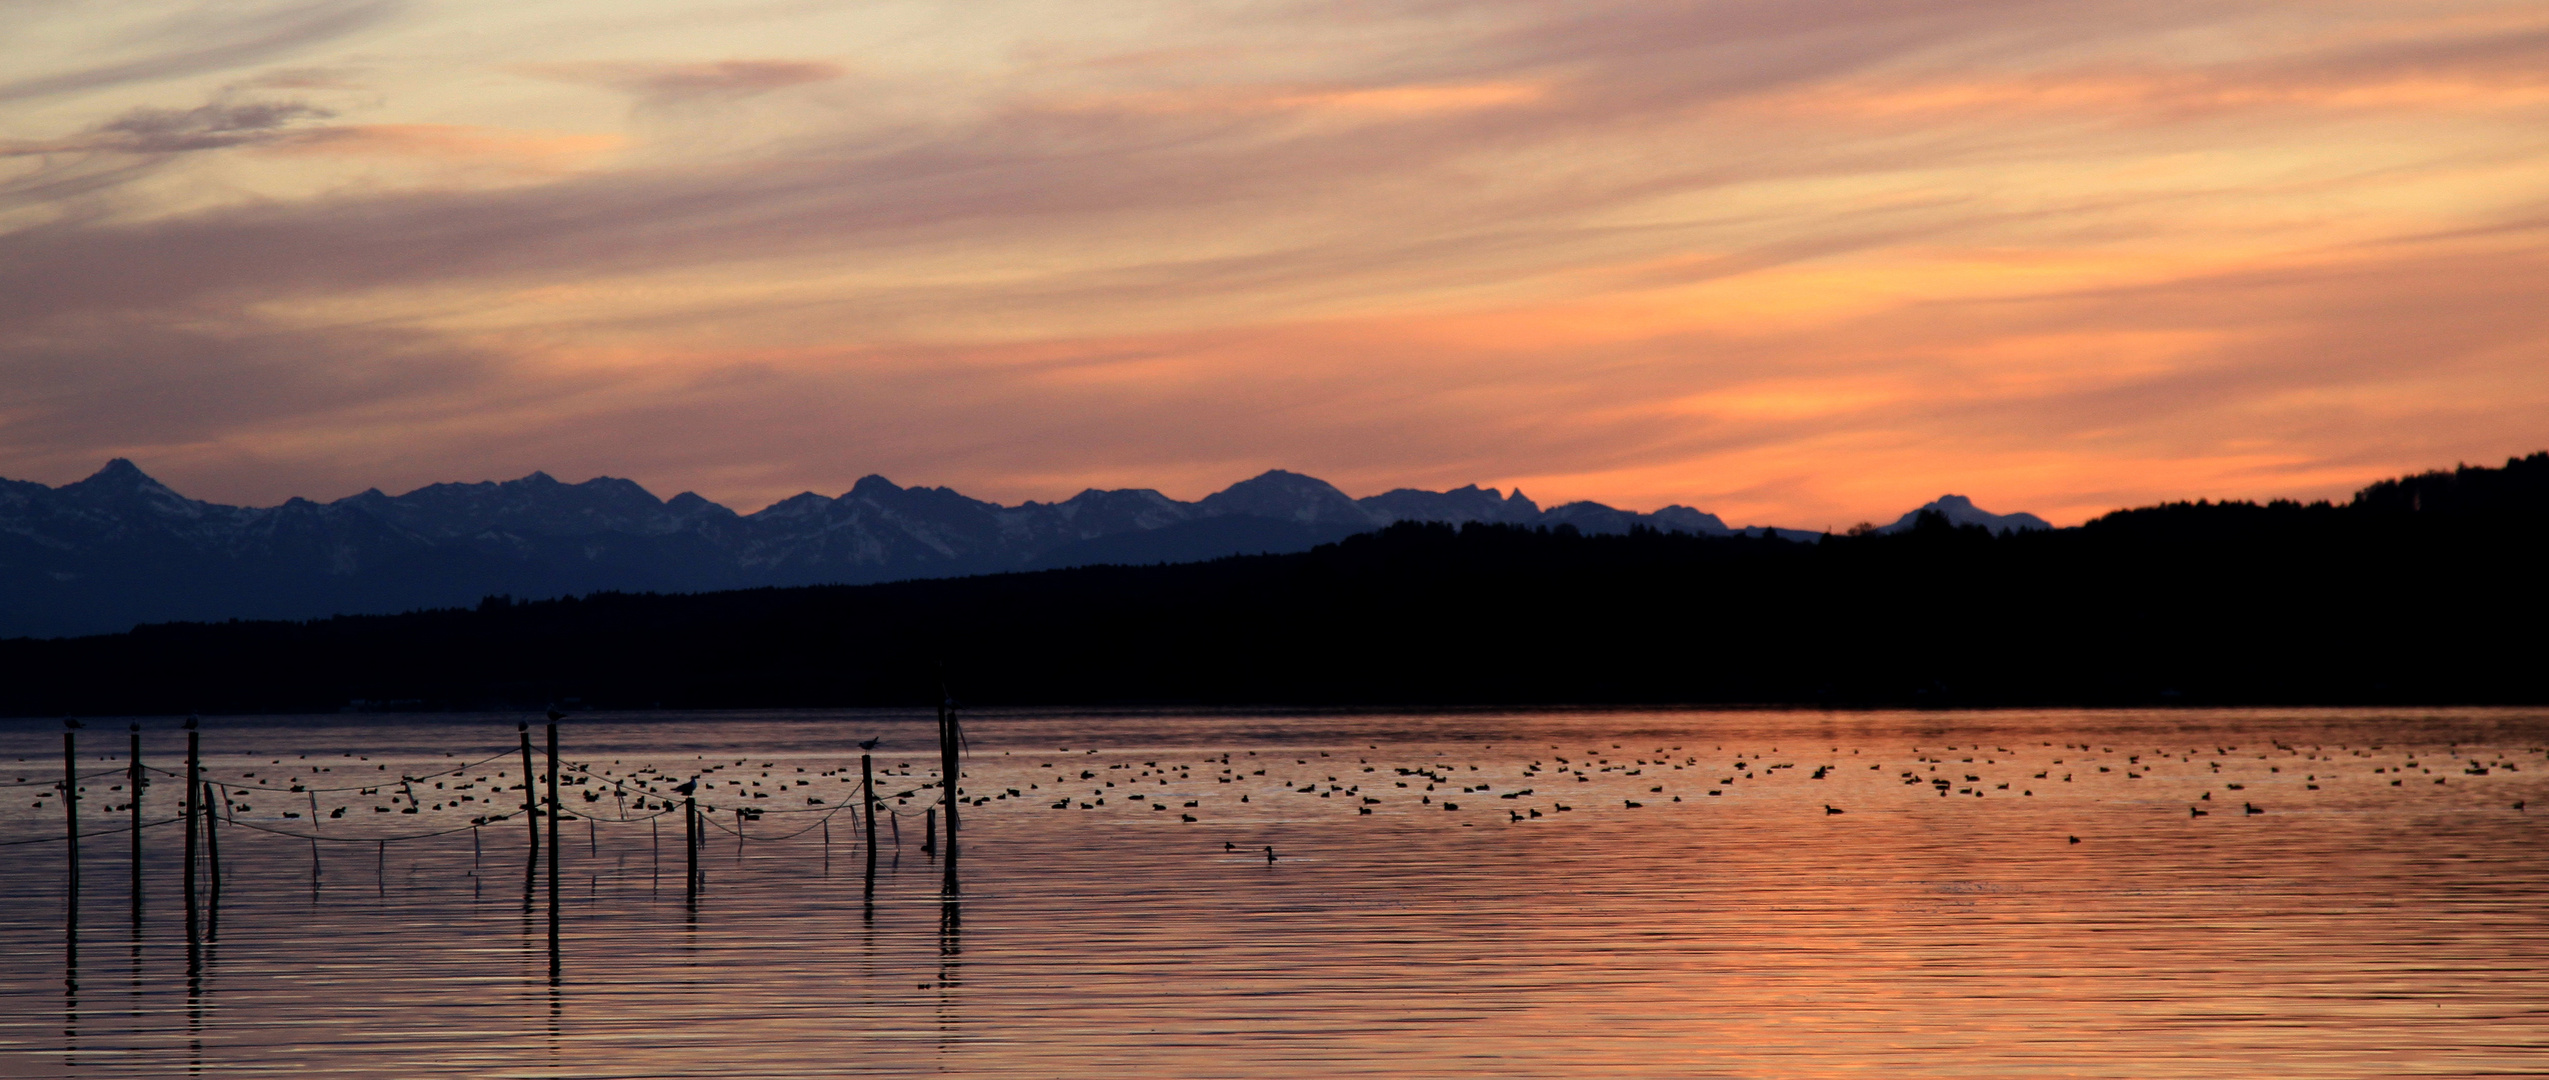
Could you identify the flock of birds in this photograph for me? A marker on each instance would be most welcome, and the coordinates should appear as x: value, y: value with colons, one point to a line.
x: 1480, y: 783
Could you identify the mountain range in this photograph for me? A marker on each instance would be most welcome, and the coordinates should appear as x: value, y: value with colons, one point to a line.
x: 120, y: 548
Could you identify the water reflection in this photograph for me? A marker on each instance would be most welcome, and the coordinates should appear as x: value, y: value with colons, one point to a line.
x: 2368, y: 919
x: 71, y: 977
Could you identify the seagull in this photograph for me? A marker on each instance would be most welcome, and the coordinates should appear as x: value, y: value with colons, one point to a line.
x: 190, y: 723
x: 72, y: 722
x: 555, y: 715
x: 870, y: 744
x: 687, y: 786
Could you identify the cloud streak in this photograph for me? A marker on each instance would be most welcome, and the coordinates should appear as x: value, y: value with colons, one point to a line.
x: 1784, y: 262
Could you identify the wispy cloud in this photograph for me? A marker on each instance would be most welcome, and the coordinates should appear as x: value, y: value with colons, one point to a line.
x: 214, y: 126
x: 1788, y: 262
x: 672, y: 83
x: 191, y: 40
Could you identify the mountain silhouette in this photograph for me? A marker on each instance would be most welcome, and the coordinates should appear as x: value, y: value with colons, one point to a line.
x: 1959, y: 510
x: 120, y: 548
x: 2396, y: 598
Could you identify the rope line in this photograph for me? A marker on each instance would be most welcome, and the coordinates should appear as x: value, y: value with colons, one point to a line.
x: 619, y: 786
x: 86, y: 835
x: 116, y: 771
x: 455, y: 830
x: 357, y: 787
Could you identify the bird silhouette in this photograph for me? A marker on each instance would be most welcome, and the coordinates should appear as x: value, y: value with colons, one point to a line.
x: 870, y: 744
x: 72, y: 722
x: 190, y: 723
x: 555, y: 715
x: 1270, y: 855
x: 687, y: 786
x: 1829, y: 810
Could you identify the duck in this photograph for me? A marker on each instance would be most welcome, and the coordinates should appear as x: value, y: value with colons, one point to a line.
x: 1829, y: 810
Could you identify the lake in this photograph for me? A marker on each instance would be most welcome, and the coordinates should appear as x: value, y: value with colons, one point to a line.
x: 1537, y: 894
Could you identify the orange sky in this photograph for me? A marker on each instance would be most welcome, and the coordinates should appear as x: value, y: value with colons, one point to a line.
x: 1803, y: 263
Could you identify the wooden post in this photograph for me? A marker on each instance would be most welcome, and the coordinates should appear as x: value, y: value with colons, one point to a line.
x: 948, y: 747
x: 191, y: 806
x: 929, y: 832
x: 133, y: 784
x: 71, y: 811
x: 867, y: 797
x: 530, y: 790
x: 690, y: 847
x: 554, y: 806
x: 212, y: 861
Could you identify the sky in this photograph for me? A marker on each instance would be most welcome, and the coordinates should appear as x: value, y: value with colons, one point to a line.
x: 1804, y: 262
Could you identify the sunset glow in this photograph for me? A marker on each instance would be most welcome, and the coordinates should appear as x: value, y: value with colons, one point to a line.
x: 1794, y: 263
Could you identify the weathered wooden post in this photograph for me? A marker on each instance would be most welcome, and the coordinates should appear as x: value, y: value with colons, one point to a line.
x: 867, y: 803
x: 190, y: 805
x: 71, y: 809
x: 867, y: 797
x: 555, y: 806
x: 212, y: 861
x: 690, y: 841
x: 949, y: 745
x: 133, y: 784
x: 530, y: 789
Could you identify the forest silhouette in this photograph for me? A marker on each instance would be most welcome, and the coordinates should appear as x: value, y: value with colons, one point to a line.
x: 2425, y: 589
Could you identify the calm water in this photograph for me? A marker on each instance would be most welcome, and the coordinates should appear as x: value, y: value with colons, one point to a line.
x: 2388, y: 921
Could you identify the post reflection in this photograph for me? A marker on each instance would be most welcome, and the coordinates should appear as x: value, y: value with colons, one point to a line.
x: 951, y: 950
x: 194, y: 1007
x: 71, y: 981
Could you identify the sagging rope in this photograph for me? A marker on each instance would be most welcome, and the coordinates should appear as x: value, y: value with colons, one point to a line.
x: 87, y: 835
x: 357, y: 787
x: 116, y: 771
x: 618, y: 785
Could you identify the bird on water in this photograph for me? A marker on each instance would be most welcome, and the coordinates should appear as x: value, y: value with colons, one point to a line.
x: 1270, y: 855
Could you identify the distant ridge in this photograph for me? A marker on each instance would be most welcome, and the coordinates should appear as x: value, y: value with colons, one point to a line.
x: 1959, y: 510
x: 2398, y: 598
x: 120, y: 548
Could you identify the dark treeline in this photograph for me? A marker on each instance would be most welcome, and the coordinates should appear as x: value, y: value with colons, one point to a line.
x: 2427, y: 589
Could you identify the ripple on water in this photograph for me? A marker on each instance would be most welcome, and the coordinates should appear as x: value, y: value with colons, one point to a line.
x: 2369, y: 923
